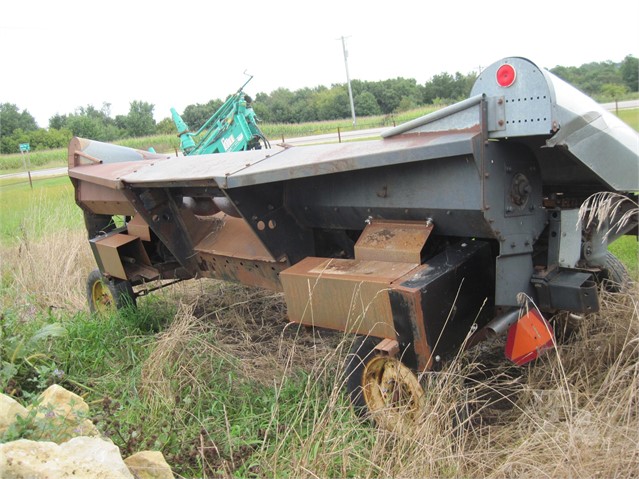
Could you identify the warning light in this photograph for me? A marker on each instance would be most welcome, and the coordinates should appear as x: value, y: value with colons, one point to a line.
x: 506, y: 75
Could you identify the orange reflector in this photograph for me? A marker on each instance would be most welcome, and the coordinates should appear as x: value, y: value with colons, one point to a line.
x: 528, y: 338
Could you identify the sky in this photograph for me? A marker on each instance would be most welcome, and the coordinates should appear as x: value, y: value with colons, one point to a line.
x: 56, y: 56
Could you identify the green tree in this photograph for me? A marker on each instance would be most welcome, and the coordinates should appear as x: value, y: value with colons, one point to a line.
x: 89, y: 122
x: 10, y: 143
x: 613, y: 91
x: 332, y: 104
x: 196, y: 115
x: 366, y: 104
x: 387, y: 97
x: 448, y: 87
x: 280, y: 105
x: 85, y: 127
x: 630, y: 72
x: 11, y: 119
x: 165, y: 127
x: 58, y: 121
x: 301, y: 107
x: 140, y: 121
x: 590, y: 77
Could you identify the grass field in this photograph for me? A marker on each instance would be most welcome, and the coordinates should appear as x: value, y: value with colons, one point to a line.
x: 20, y: 204
x: 226, y: 387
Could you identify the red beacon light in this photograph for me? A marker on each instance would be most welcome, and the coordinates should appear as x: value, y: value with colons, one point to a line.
x: 506, y: 75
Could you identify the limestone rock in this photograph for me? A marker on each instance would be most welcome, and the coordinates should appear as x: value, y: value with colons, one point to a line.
x: 9, y: 409
x: 81, y: 457
x: 61, y: 415
x: 63, y: 403
x: 149, y: 465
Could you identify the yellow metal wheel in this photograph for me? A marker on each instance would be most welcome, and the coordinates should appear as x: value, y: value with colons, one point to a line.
x: 107, y: 296
x: 101, y: 298
x: 381, y: 387
x: 391, y: 392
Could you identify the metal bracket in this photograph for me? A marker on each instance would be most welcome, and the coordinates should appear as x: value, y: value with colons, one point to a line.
x: 567, y: 289
x: 388, y: 347
x: 496, y: 113
x: 395, y: 241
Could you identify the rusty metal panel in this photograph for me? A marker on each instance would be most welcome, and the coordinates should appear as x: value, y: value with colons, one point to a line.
x: 396, y: 241
x: 118, y: 250
x: 138, y: 227
x: 216, y: 167
x: 107, y: 174
x: 347, y: 295
x: 102, y: 200
x: 234, y: 238
x: 233, y: 252
x: 250, y: 272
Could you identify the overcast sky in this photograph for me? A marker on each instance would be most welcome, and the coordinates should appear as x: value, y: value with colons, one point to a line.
x: 58, y: 55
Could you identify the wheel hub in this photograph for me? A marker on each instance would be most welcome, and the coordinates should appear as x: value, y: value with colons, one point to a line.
x: 392, y: 393
x: 101, y: 297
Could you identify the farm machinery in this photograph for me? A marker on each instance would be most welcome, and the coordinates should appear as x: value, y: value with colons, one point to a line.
x: 233, y: 127
x: 450, y: 228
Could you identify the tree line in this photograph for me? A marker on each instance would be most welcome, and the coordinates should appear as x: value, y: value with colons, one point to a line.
x: 602, y: 80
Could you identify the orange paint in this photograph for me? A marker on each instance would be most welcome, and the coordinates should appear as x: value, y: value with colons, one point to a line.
x: 530, y: 336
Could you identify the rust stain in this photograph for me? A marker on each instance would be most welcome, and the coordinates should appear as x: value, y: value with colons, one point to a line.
x: 393, y: 241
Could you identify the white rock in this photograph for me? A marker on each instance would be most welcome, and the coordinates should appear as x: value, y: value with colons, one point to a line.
x: 149, y: 465
x: 61, y: 415
x: 9, y: 409
x: 81, y: 457
x: 63, y: 403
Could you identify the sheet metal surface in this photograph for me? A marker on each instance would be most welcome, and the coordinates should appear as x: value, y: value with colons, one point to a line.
x: 108, y: 174
x: 247, y: 168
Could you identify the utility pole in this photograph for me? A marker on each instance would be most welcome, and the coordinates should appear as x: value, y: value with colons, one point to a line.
x: 348, y: 81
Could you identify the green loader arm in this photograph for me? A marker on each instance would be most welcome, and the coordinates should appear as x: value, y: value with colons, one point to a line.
x: 233, y: 127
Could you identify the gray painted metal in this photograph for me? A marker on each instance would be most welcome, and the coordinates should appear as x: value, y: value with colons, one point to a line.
x: 248, y: 168
x: 454, y: 117
x: 528, y: 102
x: 540, y: 103
x: 479, y: 169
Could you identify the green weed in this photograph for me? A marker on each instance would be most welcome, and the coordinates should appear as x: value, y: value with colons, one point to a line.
x: 631, y: 117
x: 49, y: 206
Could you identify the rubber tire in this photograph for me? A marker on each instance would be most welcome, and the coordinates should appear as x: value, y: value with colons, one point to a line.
x: 617, y: 278
x: 121, y: 291
x: 361, y: 352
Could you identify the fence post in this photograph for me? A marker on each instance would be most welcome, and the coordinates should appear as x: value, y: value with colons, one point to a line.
x: 25, y: 147
x: 339, y: 135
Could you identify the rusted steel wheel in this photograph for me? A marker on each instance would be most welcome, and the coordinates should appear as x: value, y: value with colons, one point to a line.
x: 107, y: 296
x: 382, y: 387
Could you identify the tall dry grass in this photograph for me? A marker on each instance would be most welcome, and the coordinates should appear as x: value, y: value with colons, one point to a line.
x: 47, y: 267
x: 574, y: 413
